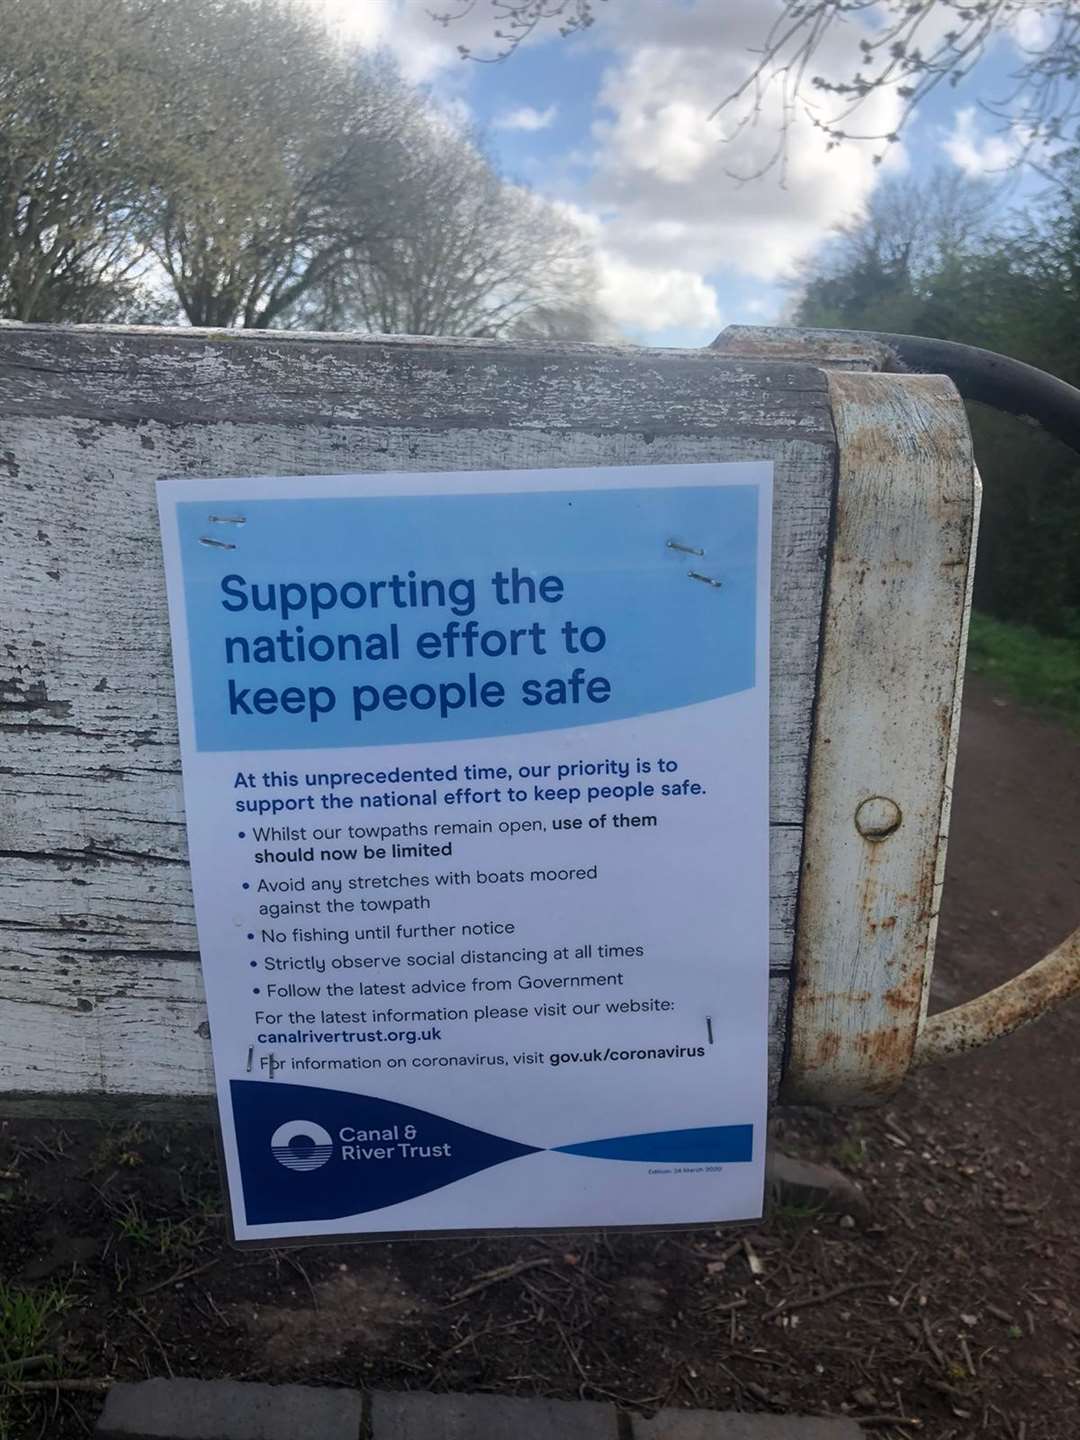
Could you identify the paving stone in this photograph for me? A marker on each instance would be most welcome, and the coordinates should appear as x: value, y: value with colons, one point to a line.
x: 228, y: 1410
x: 733, y: 1425
x: 417, y: 1416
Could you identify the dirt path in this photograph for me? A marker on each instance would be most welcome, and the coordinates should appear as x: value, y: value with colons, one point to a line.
x: 954, y: 1314
x: 1011, y: 1237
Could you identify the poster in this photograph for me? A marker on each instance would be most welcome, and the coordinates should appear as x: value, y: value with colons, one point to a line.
x: 476, y: 785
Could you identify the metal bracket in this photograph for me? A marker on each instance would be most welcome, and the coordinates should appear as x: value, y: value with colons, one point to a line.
x: 884, y: 734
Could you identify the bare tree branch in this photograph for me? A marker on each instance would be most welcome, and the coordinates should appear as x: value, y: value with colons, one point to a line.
x: 477, y: 256
x: 66, y: 195
x: 908, y: 48
x: 516, y: 21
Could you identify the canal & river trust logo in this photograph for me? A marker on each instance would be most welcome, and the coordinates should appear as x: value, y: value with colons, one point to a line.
x: 301, y: 1145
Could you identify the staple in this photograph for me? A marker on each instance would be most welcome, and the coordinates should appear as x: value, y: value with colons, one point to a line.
x: 251, y: 1052
x: 216, y: 544
x: 708, y: 580
x: 227, y: 519
x: 708, y: 1027
x: 684, y: 549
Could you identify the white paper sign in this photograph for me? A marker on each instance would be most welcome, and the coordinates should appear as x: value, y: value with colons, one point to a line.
x: 476, y: 776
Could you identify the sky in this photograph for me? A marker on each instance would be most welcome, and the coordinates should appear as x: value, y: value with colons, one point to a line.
x: 613, y: 124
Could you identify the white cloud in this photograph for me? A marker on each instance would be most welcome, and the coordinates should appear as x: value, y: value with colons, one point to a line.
x: 646, y: 299
x: 669, y: 186
x: 759, y: 309
x: 1032, y: 30
x: 424, y: 49
x: 661, y: 195
x: 526, y: 117
x: 661, y: 190
x: 366, y: 21
x: 976, y: 153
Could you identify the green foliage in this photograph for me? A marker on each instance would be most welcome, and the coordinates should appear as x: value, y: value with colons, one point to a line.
x: 1029, y: 537
x: 1040, y: 670
x: 25, y: 1316
x: 939, y: 259
x: 166, y: 1237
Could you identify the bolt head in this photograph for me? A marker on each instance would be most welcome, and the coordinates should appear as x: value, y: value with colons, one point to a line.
x: 877, y: 818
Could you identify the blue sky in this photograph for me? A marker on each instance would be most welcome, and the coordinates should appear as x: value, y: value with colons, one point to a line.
x: 613, y: 124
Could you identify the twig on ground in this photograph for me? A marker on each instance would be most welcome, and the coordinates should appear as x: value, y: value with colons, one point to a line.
x: 475, y: 1335
x: 760, y: 1393
x: 28, y: 1362
x: 943, y: 1388
x: 934, y: 1347
x: 725, y: 1254
x: 967, y: 1358
x: 292, y: 1260
x: 496, y: 1277
x: 571, y: 1351
x: 85, y: 1387
x: 175, y: 1279
x: 145, y: 1325
x: 803, y: 1302
x: 907, y: 1296
x: 891, y: 1420
x: 217, y: 1310
x: 757, y: 1359
x: 752, y: 1258
x: 77, y: 1417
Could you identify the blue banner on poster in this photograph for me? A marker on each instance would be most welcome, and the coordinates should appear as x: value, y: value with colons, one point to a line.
x: 374, y: 620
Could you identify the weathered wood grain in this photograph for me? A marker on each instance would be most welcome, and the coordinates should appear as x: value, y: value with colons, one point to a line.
x: 100, y: 992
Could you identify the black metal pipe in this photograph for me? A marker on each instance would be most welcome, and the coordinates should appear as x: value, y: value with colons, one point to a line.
x: 992, y: 379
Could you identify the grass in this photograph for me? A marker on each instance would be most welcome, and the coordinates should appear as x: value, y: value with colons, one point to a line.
x: 24, y: 1321
x: 1042, y: 671
x: 792, y: 1212
x: 120, y: 1148
x: 167, y: 1238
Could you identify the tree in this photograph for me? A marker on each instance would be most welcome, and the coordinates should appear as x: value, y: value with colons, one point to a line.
x: 909, y: 46
x: 581, y: 320
x: 1008, y: 283
x: 914, y: 46
x: 485, y: 257
x: 905, y: 256
x: 67, y: 189
x: 263, y: 173
x: 284, y: 157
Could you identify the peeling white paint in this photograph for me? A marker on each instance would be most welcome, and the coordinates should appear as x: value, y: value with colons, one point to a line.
x: 100, y: 991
